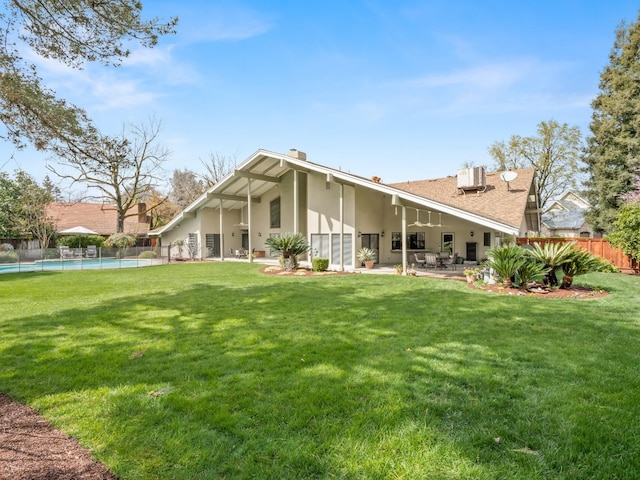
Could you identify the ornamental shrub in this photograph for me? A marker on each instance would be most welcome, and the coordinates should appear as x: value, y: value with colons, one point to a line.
x: 8, y: 257
x: 319, y: 264
x: 81, y: 241
x: 148, y: 254
x: 120, y: 240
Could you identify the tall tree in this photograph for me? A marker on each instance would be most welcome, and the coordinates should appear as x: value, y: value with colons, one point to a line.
x: 72, y: 32
x: 23, y: 208
x: 34, y: 219
x: 217, y: 167
x: 161, y: 210
x: 9, y: 206
x: 554, y: 154
x: 185, y: 187
x: 123, y: 170
x: 612, y: 155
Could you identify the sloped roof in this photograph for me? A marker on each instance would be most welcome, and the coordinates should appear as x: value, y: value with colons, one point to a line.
x: 500, y: 202
x: 98, y: 217
x: 499, y: 207
x: 562, y: 219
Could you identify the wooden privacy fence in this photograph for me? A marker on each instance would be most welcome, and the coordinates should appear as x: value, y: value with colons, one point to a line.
x: 597, y: 246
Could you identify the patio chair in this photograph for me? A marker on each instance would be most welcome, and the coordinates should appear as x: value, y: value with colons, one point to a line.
x: 419, y: 259
x: 430, y: 260
x: 92, y: 251
x: 450, y: 262
x: 65, y: 252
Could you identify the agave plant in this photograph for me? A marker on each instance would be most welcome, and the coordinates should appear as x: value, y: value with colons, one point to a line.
x: 506, y: 261
x: 553, y: 256
x: 289, y: 245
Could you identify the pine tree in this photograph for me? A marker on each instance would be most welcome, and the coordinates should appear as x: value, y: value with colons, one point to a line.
x: 72, y: 32
x: 612, y: 156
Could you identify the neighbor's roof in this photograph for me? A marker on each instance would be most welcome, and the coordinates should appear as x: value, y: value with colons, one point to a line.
x: 98, y: 217
x: 500, y: 202
x: 560, y: 219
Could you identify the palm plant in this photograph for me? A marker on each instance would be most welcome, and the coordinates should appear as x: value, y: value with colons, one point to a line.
x: 506, y: 260
x: 289, y: 245
x: 581, y: 262
x: 530, y: 271
x: 552, y: 256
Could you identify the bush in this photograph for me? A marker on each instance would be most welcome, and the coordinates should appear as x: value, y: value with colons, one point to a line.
x: 8, y: 257
x: 80, y: 241
x: 319, y: 264
x: 506, y: 260
x: 148, y: 254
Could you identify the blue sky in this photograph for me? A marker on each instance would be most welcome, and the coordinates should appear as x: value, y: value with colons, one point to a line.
x: 403, y: 90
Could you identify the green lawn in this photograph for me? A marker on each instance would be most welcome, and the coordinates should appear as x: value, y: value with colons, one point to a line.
x: 216, y: 371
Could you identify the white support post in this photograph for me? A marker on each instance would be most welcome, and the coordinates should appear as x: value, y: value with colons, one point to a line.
x: 249, y: 253
x: 221, y: 235
x: 404, y: 240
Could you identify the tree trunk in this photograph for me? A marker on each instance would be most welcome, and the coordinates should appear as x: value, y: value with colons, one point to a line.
x: 567, y: 281
x: 120, y: 226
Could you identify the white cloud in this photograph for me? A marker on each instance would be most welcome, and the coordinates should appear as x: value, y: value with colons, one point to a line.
x: 487, y: 76
x: 219, y: 23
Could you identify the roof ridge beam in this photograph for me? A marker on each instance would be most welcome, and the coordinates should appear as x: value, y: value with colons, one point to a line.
x: 256, y: 176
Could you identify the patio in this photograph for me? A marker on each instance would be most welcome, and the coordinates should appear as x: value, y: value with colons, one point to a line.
x: 378, y: 269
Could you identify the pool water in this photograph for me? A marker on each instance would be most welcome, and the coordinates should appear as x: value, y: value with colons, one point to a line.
x: 93, y: 264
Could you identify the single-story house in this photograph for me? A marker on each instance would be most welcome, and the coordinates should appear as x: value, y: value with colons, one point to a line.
x: 272, y: 194
x: 565, y: 217
x: 99, y: 217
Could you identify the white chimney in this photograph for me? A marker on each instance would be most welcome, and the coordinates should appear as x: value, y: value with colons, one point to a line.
x: 297, y: 154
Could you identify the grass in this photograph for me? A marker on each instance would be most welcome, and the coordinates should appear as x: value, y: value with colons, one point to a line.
x: 217, y: 371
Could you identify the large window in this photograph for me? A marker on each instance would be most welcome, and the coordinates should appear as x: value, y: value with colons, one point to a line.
x: 274, y: 208
x: 415, y: 241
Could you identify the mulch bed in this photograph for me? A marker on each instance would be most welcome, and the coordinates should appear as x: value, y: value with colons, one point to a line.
x: 574, y: 292
x: 31, y: 449
x: 300, y: 272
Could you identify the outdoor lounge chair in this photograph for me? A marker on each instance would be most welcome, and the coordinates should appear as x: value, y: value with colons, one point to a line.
x: 92, y: 251
x: 65, y: 252
x: 420, y: 259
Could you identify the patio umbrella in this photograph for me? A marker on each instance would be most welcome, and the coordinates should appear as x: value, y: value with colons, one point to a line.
x: 79, y: 230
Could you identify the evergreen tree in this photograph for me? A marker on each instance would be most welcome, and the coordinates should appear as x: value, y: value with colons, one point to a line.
x: 612, y: 156
x: 72, y: 32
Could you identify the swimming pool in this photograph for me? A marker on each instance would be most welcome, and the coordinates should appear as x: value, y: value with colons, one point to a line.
x: 89, y: 264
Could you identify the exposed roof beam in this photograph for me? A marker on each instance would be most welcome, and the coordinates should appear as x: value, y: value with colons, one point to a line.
x: 235, y: 198
x: 397, y: 201
x: 285, y: 164
x: 256, y: 176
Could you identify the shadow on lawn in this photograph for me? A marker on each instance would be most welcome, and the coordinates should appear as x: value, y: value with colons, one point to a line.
x: 311, y: 378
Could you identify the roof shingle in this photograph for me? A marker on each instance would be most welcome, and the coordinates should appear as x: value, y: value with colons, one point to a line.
x: 500, y: 201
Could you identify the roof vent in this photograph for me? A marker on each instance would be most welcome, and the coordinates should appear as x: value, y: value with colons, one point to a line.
x: 473, y: 178
x: 297, y: 154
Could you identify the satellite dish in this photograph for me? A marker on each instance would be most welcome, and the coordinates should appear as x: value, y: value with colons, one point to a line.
x: 508, y: 176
